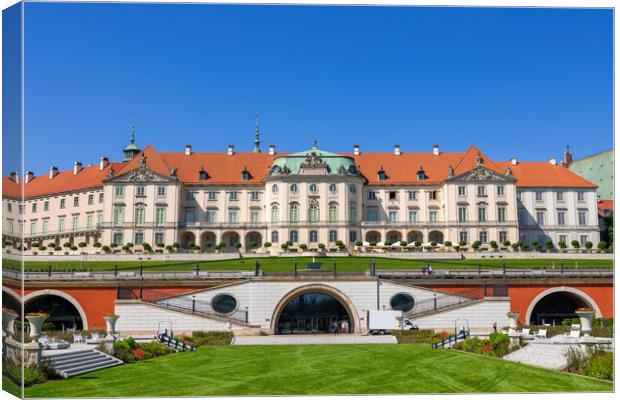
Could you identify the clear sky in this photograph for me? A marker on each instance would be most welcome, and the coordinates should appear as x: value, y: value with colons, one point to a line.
x: 515, y: 82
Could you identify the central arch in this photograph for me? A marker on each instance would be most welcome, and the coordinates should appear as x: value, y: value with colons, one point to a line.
x: 37, y: 301
x: 562, y: 301
x: 338, y: 307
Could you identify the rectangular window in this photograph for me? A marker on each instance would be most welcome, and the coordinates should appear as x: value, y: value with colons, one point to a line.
x: 254, y: 217
x: 482, y: 214
x: 34, y: 207
x: 89, y: 221
x: 393, y: 215
x: 432, y: 195
x: 160, y: 216
x: 46, y: 224
x: 583, y: 239
x: 352, y: 236
x: 333, y: 236
x: 521, y: 217
x: 118, y: 238
x: 313, y: 237
x: 62, y: 203
x: 540, y: 217
x: 33, y: 227
x: 582, y: 218
x: 372, y: 215
x: 189, y: 196
x: 432, y: 216
x: 463, y: 237
x: 140, y: 191
x: 412, y: 194
x: 539, y: 196
x: 482, y: 191
x: 484, y: 237
x: 189, y: 216
x: 413, y: 216
x: 232, y: 217
x: 139, y: 238
x: 99, y: 218
x: 233, y: 196
x: 314, y: 214
x: 46, y: 206
x: 10, y: 227
x: 139, y: 216
x: 333, y: 213
x: 500, y: 190
x: 100, y: 198
x: 392, y: 195
x: 76, y: 201
x: 462, y: 214
x: 501, y: 214
x: 254, y: 196
x: 561, y: 218
x: 293, y: 236
x: 119, y: 191
x: 503, y: 236
x: 462, y: 190
x: 581, y: 196
x: 159, y: 238
x: 372, y: 195
x: 119, y: 215
x: 275, y: 237
x: 560, y: 196
x: 211, y: 196
x: 91, y: 199
x: 352, y: 214
x: 210, y: 217
x: 21, y: 209
x: 74, y: 223
x: 9, y: 207
x: 161, y: 191
x: 563, y: 239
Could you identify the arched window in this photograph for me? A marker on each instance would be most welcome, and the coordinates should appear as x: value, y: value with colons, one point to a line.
x: 294, y: 188
x: 313, y: 214
x: 275, y: 215
x: 274, y: 237
x: 274, y: 189
x: 313, y: 188
x: 294, y: 212
x: 332, y: 188
x: 314, y: 237
x: 333, y: 212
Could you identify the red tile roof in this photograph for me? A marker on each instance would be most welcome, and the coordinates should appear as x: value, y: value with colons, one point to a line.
x: 543, y: 174
x: 604, y: 205
x: 223, y: 169
x: 10, y: 188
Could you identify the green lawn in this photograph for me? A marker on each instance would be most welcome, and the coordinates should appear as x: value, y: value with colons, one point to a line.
x: 285, y: 264
x: 318, y: 369
x: 11, y: 387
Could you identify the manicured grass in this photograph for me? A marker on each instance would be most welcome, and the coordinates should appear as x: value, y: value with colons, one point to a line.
x: 318, y: 369
x: 285, y: 264
x: 11, y: 387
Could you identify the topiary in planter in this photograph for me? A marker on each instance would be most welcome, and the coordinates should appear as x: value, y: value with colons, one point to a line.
x: 562, y: 245
x: 321, y: 246
x: 575, y: 244
x: 74, y: 248
x: 106, y: 249
x: 146, y: 247
x: 303, y: 246
x: 476, y: 245
x: 372, y: 243
x: 66, y: 244
x: 447, y: 243
x: 359, y: 243
x: 493, y: 245
x: 589, y: 245
x: 267, y: 244
x: 403, y: 243
x: 97, y: 245
x: 82, y: 244
x: 506, y: 243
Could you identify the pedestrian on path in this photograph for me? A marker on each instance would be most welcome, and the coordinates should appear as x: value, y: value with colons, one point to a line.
x: 495, y: 327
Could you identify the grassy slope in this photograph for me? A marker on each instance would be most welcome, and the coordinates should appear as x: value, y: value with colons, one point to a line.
x: 333, y: 369
x: 285, y: 264
x: 11, y: 387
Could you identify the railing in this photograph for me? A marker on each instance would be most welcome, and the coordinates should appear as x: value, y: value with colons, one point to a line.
x: 230, y: 225
x: 187, y: 304
x: 508, y: 272
x: 432, y: 224
x: 439, y: 302
x: 451, y: 340
x: 65, y: 232
x: 121, y: 275
x: 174, y: 343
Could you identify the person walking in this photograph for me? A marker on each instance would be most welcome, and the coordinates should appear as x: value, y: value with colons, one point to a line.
x: 495, y: 327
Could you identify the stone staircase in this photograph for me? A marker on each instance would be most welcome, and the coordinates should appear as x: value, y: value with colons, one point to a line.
x: 544, y: 353
x: 68, y: 364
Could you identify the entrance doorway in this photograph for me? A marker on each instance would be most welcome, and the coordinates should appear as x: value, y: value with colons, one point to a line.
x: 314, y: 313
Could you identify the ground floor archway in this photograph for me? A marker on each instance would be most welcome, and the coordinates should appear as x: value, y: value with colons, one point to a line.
x: 208, y: 240
x: 415, y: 236
x: 373, y: 236
x: 554, y: 305
x: 253, y: 240
x: 231, y: 240
x: 63, y: 313
x: 435, y: 236
x: 393, y: 237
x: 187, y: 240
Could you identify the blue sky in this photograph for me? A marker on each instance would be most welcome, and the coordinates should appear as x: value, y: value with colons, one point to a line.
x: 522, y: 82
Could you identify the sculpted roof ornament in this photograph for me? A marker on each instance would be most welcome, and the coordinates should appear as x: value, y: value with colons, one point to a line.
x: 508, y: 171
x: 450, y: 171
x: 479, y: 160
x: 313, y: 160
x: 142, y: 161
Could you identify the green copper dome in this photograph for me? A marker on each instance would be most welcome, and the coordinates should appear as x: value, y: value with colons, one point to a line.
x: 313, y: 161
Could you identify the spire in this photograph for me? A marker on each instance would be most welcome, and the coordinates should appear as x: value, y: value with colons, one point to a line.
x: 133, y: 133
x: 314, y: 146
x: 131, y: 150
x: 257, y: 136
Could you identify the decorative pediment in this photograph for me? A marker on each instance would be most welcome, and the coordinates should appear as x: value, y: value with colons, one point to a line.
x: 313, y: 165
x: 140, y: 174
x: 481, y: 174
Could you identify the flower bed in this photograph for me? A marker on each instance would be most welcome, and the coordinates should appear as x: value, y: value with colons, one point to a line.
x: 497, y: 345
x: 208, y: 338
x: 130, y: 351
x: 596, y: 364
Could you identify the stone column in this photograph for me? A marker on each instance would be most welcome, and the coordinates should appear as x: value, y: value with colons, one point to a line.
x: 585, y: 317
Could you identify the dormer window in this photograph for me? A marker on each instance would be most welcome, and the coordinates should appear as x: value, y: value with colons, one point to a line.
x: 202, y: 174
x: 245, y: 174
x: 421, y: 174
x: 381, y: 174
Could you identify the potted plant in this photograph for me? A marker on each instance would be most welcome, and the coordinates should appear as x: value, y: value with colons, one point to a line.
x: 476, y: 245
x: 602, y: 245
x: 106, y: 249
x: 447, y: 244
x: 147, y: 247
x: 8, y: 320
x: 494, y: 245
x: 514, y: 319
x: 303, y: 247
x: 549, y: 245
x: 284, y: 246
x: 575, y: 245
x: 36, y: 319
x: 589, y: 246
x: 82, y: 244
x: 536, y: 245
x: 238, y: 246
x: 170, y: 248
x: 372, y: 243
x: 267, y: 245
x: 322, y: 246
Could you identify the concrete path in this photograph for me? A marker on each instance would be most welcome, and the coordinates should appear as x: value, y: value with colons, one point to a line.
x: 313, y: 339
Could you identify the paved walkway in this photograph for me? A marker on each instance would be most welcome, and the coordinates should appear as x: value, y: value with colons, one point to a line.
x: 313, y: 339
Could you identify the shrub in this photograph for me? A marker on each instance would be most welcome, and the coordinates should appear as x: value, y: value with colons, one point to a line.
x: 303, y: 246
x: 562, y: 245
x: 447, y: 243
x: 321, y: 246
x: 417, y: 243
x: 589, y: 245
x: 515, y: 246
x: 372, y: 243
x: 238, y: 245
x: 575, y: 244
x: 506, y: 243
x: 42, y: 248
x: 113, y: 245
x: 284, y: 246
x: 417, y: 336
x: 600, y: 366
x: 462, y: 243
x: 176, y: 245
x: 51, y: 245
x: 57, y: 248
x: 403, y: 243
x: 525, y: 246
x: 473, y: 345
x: 536, y: 245
x: 602, y: 245
x: 97, y: 245
x: 476, y: 245
x: 339, y: 243
x: 66, y: 244
x: 106, y: 249
x: 31, y: 376
x: 387, y: 243
x: 169, y: 248
x: 211, y: 338
x: 493, y: 244
x: 130, y: 245
x: 359, y: 243
x: 82, y: 244
x: 267, y: 244
x: 160, y: 244
x: 433, y: 243
x: 549, y: 245
x: 146, y: 247
x: 74, y: 248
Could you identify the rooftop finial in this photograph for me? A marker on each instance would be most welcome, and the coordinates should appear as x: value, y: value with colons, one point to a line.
x: 314, y: 146
x: 257, y: 136
x: 133, y: 129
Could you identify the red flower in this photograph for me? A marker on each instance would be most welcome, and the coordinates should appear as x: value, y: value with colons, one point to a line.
x: 486, y: 348
x: 444, y: 334
x: 139, y: 354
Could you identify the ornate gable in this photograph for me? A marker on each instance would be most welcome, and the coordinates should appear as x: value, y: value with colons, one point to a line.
x: 142, y: 175
x: 481, y: 174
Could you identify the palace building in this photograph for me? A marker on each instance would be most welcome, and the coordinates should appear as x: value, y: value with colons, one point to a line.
x: 232, y: 201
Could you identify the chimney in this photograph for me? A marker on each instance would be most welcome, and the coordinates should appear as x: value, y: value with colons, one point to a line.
x: 568, y: 157
x: 188, y: 149
x: 103, y: 162
x: 53, y: 172
x: 513, y: 161
x: 272, y: 150
x: 29, y: 176
x: 77, y: 167
x: 396, y: 149
x: 436, y: 149
x: 231, y: 149
x: 553, y: 161
x: 356, y: 149
x: 15, y: 176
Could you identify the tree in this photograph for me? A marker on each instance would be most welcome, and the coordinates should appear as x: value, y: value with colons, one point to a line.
x: 602, y: 245
x: 147, y: 247
x: 359, y: 243
x: 82, y: 244
x: 447, y: 243
x: 589, y: 245
x: 303, y: 246
x: 493, y: 244
x: 284, y: 246
x: 536, y: 245
x: 575, y: 244
x: 506, y: 243
x: 267, y: 245
x: 515, y: 246
x: 97, y: 244
x: 462, y: 243
x: 322, y: 246
x: 403, y: 243
x: 417, y: 243
x: 106, y: 249
x: 67, y: 244
x: 476, y: 245
x: 549, y: 245
x: 562, y: 245
x: 433, y: 243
